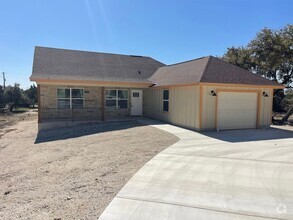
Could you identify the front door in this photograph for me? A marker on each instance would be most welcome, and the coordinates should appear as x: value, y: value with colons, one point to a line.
x: 136, y: 103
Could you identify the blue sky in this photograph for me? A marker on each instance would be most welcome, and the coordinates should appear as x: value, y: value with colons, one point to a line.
x: 168, y: 30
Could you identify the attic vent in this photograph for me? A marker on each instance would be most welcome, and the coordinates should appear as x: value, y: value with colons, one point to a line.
x: 135, y: 56
x: 139, y: 72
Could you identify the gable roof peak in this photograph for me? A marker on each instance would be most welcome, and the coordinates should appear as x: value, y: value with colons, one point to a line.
x: 187, y: 61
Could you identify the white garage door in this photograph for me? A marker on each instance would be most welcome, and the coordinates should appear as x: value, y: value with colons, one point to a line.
x: 237, y: 110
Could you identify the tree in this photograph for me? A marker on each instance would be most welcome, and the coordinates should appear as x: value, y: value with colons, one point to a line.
x: 31, y: 94
x: 287, y: 104
x: 13, y: 96
x: 2, y: 97
x: 239, y: 56
x: 272, y: 54
x: 269, y: 54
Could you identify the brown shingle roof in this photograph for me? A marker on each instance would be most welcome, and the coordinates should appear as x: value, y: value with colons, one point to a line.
x: 181, y: 73
x: 206, y: 70
x: 219, y: 71
x: 61, y: 64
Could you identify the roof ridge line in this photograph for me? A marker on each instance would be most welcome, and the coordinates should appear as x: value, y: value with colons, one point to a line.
x: 206, y: 68
x: 88, y: 51
x: 173, y: 64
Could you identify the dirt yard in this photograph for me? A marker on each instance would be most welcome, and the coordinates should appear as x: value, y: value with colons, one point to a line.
x: 70, y: 173
x: 8, y: 119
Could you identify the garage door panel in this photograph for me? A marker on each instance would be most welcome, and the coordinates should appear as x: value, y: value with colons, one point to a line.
x: 237, y: 110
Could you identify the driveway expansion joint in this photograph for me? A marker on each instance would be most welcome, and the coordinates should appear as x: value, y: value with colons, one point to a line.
x: 199, y: 207
x: 229, y: 158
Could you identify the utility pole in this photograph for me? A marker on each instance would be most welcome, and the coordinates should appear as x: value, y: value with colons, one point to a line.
x: 4, y: 80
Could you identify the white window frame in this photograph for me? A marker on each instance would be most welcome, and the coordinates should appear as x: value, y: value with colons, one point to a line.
x: 117, y: 99
x: 70, y: 97
x: 166, y: 100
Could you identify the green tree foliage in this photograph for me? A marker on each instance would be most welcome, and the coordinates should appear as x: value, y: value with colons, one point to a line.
x: 239, y: 56
x: 287, y: 102
x: 269, y: 54
x: 14, y: 96
x: 272, y: 54
x: 31, y: 94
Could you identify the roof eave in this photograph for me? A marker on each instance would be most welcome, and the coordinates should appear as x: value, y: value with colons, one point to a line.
x: 175, y: 85
x: 243, y: 85
x: 88, y: 82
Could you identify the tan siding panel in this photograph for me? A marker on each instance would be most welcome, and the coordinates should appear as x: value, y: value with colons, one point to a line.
x: 183, y: 105
x: 209, y: 106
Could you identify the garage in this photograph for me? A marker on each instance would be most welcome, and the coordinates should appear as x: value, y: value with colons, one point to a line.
x: 237, y: 110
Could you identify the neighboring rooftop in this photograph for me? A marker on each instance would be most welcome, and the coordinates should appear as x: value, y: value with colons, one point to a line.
x: 61, y: 64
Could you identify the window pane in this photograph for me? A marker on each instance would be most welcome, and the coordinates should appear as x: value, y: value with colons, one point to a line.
x: 122, y: 94
x: 135, y: 94
x: 63, y: 103
x: 111, y: 103
x: 165, y: 106
x: 122, y: 103
x: 77, y: 93
x: 77, y: 103
x: 111, y: 94
x: 166, y: 94
x: 63, y: 93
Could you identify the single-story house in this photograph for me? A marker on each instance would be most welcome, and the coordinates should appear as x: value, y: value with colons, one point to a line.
x: 201, y: 94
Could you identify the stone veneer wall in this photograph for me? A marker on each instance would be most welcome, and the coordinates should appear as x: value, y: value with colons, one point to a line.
x: 92, y: 105
x: 49, y: 106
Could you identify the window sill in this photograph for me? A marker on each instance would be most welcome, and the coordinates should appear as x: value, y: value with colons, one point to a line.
x: 115, y: 109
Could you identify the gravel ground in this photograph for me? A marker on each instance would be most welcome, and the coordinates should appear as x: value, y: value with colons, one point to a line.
x: 71, y: 173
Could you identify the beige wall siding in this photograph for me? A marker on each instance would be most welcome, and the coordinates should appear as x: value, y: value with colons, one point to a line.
x: 209, y: 106
x: 266, y: 104
x: 183, y: 105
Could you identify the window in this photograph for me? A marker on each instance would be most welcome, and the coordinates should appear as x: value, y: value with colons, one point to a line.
x: 135, y: 95
x: 116, y: 99
x: 165, y: 100
x: 70, y: 98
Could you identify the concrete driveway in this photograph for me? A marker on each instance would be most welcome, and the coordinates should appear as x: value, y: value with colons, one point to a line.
x: 243, y: 174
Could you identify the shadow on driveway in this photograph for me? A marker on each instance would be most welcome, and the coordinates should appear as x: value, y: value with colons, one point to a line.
x: 235, y: 136
x: 83, y: 130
